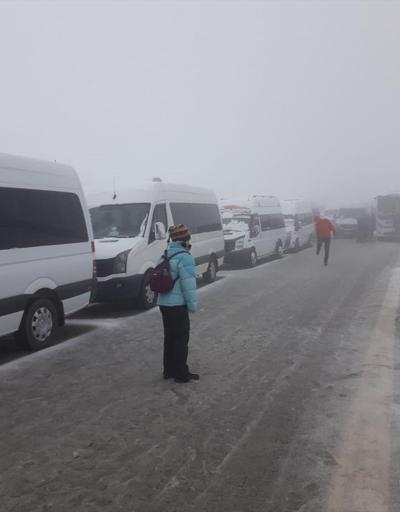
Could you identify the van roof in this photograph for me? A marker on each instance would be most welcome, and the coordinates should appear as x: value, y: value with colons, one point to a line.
x: 296, y: 206
x: 252, y: 202
x: 22, y: 172
x: 153, y: 191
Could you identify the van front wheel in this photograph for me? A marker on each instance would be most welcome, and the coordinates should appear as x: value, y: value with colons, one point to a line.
x: 147, y: 298
x: 211, y: 275
x: 39, y: 325
x: 252, y: 258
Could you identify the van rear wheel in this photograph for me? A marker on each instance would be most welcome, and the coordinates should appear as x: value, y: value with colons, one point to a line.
x: 147, y: 298
x: 39, y: 325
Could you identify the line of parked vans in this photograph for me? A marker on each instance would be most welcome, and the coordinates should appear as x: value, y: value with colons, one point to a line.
x: 59, y: 251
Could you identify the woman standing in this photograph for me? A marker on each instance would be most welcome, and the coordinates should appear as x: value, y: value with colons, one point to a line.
x: 176, y: 305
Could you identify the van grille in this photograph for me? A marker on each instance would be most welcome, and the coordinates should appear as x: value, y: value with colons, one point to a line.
x: 104, y: 267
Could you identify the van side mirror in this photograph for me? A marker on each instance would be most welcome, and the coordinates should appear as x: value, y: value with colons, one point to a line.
x: 160, y: 232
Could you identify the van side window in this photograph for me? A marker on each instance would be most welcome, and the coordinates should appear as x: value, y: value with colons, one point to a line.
x: 265, y: 222
x: 200, y: 218
x: 254, y: 225
x: 159, y: 215
x: 277, y: 221
x: 35, y: 218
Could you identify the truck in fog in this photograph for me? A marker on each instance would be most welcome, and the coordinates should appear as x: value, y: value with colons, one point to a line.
x: 346, y: 221
x: 387, y: 210
x: 254, y: 228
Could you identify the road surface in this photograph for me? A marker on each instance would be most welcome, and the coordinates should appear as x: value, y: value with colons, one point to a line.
x: 297, y: 409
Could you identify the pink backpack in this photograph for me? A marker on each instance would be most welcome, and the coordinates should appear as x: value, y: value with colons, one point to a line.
x: 160, y: 278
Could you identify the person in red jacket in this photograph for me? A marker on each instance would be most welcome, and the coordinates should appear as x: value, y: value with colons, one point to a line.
x: 324, y: 230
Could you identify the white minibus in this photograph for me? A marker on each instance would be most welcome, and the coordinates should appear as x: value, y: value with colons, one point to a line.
x: 254, y: 228
x: 299, y: 221
x: 130, y: 230
x: 46, y: 248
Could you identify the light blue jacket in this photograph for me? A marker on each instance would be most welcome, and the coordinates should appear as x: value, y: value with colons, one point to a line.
x: 184, y: 291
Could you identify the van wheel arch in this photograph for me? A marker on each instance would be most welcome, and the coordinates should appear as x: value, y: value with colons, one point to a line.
x: 46, y: 293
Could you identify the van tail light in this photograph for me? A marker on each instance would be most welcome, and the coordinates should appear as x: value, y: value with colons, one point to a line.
x: 93, y: 246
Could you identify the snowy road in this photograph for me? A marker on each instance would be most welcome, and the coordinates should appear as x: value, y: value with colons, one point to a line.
x: 297, y: 409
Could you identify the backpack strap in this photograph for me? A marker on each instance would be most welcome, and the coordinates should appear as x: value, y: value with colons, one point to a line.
x: 169, y: 258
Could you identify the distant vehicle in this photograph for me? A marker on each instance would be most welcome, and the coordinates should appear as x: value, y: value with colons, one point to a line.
x: 299, y: 221
x: 253, y: 229
x: 329, y: 214
x: 346, y: 221
x: 388, y: 217
x: 130, y: 230
x: 46, y: 248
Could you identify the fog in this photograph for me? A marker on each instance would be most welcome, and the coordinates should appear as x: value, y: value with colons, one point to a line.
x: 297, y: 99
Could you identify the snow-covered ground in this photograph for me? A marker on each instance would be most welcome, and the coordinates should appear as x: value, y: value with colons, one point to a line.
x: 284, y: 351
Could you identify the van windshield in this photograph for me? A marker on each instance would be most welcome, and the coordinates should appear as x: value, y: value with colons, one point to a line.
x: 237, y: 222
x: 352, y: 213
x: 120, y: 220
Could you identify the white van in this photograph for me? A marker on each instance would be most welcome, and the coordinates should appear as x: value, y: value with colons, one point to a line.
x: 346, y: 220
x: 253, y: 229
x: 130, y: 230
x: 46, y: 248
x: 299, y: 220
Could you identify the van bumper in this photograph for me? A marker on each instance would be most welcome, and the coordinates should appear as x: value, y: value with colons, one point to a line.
x: 118, y: 288
x: 240, y: 256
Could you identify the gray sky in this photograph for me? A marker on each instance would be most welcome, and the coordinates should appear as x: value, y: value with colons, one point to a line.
x: 297, y: 99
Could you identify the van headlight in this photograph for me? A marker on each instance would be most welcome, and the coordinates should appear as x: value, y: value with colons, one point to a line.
x: 239, y: 244
x: 120, y: 261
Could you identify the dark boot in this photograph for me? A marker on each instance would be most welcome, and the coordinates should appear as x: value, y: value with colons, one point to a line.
x: 187, y: 378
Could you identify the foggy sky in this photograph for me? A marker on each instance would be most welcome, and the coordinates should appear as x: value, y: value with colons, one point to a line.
x: 297, y: 99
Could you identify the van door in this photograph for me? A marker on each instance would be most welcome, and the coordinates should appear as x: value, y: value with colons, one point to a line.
x: 256, y: 235
x: 157, y: 247
x: 267, y: 235
x: 279, y: 230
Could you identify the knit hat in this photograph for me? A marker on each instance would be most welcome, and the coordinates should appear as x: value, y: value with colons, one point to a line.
x: 179, y: 233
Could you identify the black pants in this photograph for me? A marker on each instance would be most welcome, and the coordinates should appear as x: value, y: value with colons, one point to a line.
x: 327, y: 244
x: 176, y: 339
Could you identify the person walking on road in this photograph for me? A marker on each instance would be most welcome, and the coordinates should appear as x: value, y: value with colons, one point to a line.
x: 176, y: 305
x: 324, y: 231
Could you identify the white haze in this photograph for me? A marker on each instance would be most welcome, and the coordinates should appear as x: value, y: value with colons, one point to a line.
x: 286, y: 98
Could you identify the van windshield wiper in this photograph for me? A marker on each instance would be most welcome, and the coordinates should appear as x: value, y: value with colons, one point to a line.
x: 114, y: 236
